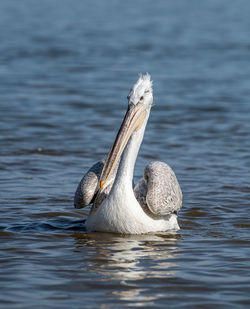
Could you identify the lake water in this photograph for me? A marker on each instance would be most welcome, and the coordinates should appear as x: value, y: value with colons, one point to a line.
x: 66, y: 68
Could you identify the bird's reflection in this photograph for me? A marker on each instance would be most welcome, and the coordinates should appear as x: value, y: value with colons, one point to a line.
x: 129, y: 259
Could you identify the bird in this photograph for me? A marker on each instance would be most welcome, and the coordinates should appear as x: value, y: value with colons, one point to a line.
x: 117, y: 205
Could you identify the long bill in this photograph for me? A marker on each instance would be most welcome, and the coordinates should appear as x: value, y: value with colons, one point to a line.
x: 132, y: 122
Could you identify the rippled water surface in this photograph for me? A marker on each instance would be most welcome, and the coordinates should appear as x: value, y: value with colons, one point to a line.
x: 65, y: 70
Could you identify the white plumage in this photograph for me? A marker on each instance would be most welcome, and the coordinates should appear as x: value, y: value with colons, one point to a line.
x: 153, y: 204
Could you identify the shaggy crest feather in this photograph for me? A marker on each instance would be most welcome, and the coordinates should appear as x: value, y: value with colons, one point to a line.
x: 143, y: 85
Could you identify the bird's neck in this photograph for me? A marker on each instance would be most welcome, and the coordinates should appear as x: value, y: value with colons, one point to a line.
x: 125, y: 172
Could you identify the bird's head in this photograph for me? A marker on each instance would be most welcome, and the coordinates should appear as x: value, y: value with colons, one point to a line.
x: 142, y: 92
x: 140, y: 100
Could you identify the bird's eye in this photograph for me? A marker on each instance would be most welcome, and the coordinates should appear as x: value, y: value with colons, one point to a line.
x: 128, y: 97
x: 141, y: 98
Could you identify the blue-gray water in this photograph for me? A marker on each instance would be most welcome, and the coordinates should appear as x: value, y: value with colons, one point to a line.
x: 65, y: 70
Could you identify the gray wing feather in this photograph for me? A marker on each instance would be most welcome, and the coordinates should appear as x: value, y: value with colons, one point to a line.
x: 88, y: 186
x: 158, y: 191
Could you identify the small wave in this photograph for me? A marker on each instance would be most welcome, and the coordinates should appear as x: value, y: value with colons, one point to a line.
x: 62, y: 224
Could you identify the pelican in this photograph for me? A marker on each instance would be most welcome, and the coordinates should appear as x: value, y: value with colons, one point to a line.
x: 118, y: 206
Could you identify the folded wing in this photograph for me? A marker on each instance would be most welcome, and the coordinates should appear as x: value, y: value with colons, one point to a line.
x: 88, y: 186
x: 159, y: 192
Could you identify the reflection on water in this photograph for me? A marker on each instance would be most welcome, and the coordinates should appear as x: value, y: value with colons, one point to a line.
x: 129, y: 259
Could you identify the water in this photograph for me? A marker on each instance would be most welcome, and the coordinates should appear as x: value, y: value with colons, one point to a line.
x: 65, y: 71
